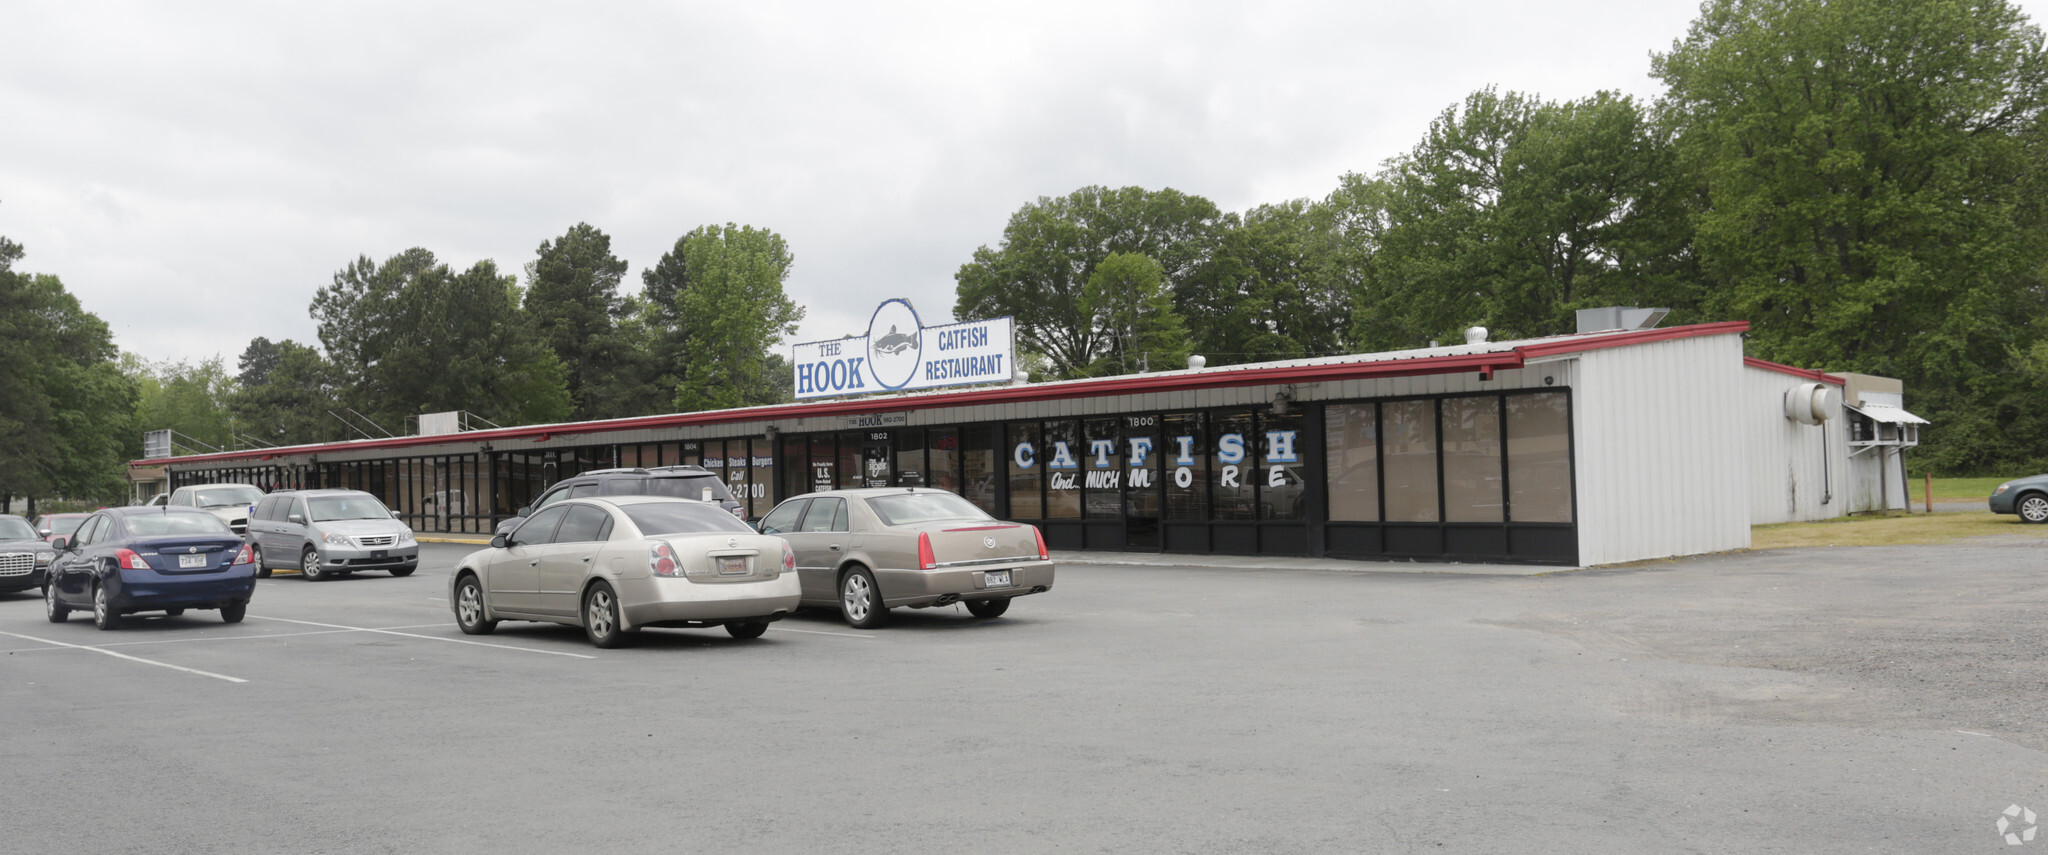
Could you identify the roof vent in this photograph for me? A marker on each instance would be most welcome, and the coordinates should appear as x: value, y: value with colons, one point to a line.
x: 1620, y: 318
x: 1475, y: 335
x: 1197, y: 361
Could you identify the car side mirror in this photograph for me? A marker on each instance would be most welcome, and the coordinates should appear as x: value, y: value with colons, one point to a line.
x: 44, y: 532
x: 297, y: 518
x: 526, y: 512
x: 62, y: 543
x: 498, y: 541
x: 394, y: 515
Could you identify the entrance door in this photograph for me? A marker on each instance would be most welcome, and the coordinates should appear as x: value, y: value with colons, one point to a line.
x: 1142, y: 487
x: 877, y: 459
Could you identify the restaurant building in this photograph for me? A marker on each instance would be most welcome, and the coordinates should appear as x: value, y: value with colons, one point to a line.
x: 1606, y: 446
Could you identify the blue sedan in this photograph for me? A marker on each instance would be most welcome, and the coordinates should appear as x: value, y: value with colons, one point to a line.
x: 168, y: 559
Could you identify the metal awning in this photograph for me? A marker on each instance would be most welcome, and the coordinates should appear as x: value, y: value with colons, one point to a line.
x: 1889, y: 414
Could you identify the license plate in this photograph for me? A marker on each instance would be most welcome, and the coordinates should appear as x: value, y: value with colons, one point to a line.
x: 191, y: 561
x: 730, y: 565
x: 996, y: 579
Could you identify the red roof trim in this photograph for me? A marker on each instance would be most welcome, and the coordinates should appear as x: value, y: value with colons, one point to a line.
x: 1124, y: 385
x: 1805, y: 373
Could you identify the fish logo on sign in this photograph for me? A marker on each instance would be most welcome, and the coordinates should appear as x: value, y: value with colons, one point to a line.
x: 895, y: 355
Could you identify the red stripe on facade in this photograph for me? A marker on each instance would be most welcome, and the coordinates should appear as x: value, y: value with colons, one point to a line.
x: 1809, y: 374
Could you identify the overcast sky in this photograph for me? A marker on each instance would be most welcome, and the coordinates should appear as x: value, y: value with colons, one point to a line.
x: 196, y: 171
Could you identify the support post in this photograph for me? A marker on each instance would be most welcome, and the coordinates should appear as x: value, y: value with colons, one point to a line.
x: 1928, y: 481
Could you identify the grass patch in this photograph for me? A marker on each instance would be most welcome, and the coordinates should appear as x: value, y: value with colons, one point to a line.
x: 1895, y: 529
x: 1961, y: 489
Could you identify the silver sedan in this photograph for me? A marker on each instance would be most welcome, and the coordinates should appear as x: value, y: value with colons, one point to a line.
x: 617, y: 565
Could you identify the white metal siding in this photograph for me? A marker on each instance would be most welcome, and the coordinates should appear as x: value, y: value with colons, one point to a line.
x: 1656, y: 429
x: 1790, y: 480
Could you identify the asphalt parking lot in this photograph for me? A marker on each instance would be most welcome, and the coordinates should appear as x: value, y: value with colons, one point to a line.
x: 1827, y: 700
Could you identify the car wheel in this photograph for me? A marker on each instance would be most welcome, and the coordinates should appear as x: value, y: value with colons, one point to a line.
x: 402, y: 571
x: 2034, y: 508
x: 601, y: 616
x: 233, y: 613
x: 751, y: 629
x: 860, y: 602
x: 256, y: 553
x: 57, y: 612
x: 103, y: 615
x: 988, y: 608
x: 469, y: 607
x: 173, y: 612
x: 309, y: 565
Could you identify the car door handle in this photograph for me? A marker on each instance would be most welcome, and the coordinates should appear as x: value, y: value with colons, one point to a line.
x: 586, y: 559
x: 835, y: 547
x: 534, y: 563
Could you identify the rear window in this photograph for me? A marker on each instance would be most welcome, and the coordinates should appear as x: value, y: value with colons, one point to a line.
x: 65, y: 525
x: 21, y: 530
x: 688, y: 488
x: 188, y: 523
x: 665, y: 518
x: 914, y: 508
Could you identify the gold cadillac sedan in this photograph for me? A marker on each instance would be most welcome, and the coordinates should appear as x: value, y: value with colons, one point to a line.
x: 867, y: 551
x: 616, y: 565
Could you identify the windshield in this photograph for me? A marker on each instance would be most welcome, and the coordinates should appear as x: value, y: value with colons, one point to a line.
x: 358, y: 507
x: 18, y: 530
x: 65, y: 525
x: 666, y: 518
x: 914, y: 508
x: 152, y: 525
x: 225, y: 497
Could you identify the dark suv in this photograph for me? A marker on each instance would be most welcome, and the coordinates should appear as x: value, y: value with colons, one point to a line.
x: 676, y: 482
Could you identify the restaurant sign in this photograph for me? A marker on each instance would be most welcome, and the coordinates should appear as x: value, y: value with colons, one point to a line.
x: 899, y: 354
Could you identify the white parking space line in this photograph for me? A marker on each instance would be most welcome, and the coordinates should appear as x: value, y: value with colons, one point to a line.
x: 128, y: 657
x: 822, y: 632
x: 264, y: 637
x: 428, y: 637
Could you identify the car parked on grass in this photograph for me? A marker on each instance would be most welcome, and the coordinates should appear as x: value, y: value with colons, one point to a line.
x: 325, y: 533
x: 2027, y: 497
x: 618, y: 565
x: 232, y: 503
x: 24, y: 555
x: 169, y: 559
x: 676, y: 482
x: 51, y: 525
x: 869, y: 550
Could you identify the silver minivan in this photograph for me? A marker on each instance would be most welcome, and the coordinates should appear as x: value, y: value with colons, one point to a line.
x: 322, y: 533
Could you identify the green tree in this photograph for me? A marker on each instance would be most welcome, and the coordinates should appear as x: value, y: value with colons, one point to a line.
x: 66, y: 411
x: 1513, y: 212
x: 283, y: 393
x: 1127, y: 298
x: 1050, y: 248
x: 730, y: 316
x: 573, y: 299
x: 191, y: 398
x: 1870, y: 177
x: 1272, y: 289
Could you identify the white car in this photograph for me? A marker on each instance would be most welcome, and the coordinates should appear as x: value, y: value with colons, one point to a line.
x: 620, y: 564
x: 232, y: 503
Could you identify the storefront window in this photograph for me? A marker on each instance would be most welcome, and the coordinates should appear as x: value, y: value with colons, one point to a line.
x: 1233, y: 469
x: 1027, y: 467
x: 760, y: 477
x: 1539, y: 458
x: 910, y: 469
x: 1471, y: 449
x: 1282, y: 493
x: 850, y: 470
x: 979, y: 451
x: 943, y: 458
x: 795, y: 467
x: 824, y: 463
x: 1102, y: 470
x: 1408, y: 435
x: 1143, y: 455
x: 1063, y: 449
x: 1352, y: 459
x: 1185, y: 457
x: 692, y: 454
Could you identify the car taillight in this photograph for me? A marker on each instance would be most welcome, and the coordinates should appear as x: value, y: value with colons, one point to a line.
x: 244, y: 557
x: 1042, y: 553
x: 740, y: 512
x: 925, y: 558
x: 662, y: 560
x: 129, y: 560
x: 788, y: 558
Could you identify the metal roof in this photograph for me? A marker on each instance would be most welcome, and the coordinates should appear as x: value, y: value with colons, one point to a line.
x: 1483, y: 357
x: 1889, y: 414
